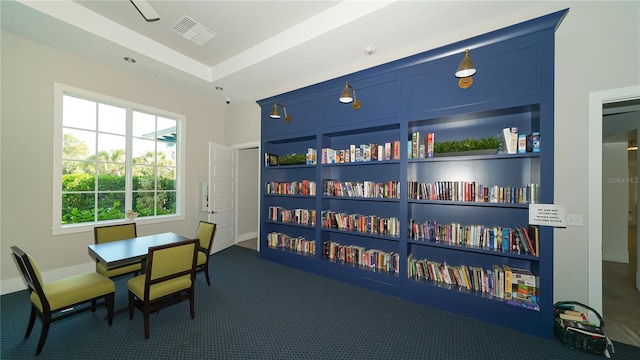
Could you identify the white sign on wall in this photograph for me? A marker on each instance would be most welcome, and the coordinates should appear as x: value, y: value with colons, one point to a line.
x: 548, y: 215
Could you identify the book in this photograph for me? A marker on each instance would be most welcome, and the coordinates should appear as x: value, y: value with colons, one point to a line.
x: 522, y: 143
x: 415, y: 145
x: 387, y: 151
x: 507, y: 281
x: 534, y: 235
x: 583, y: 327
x: 429, y: 145
x: 270, y: 159
x: 396, y: 150
x: 566, y: 316
x: 373, y: 149
x: 510, y: 140
x: 533, y: 142
x: 527, y: 238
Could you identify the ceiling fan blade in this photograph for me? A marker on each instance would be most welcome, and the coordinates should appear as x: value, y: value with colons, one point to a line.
x: 145, y: 9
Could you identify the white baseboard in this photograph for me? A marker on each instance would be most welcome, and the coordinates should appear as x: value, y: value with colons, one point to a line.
x: 17, y: 284
x: 221, y: 245
x: 247, y: 236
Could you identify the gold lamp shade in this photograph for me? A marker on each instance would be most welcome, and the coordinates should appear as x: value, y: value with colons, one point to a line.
x: 346, y: 97
x: 466, y: 67
x: 275, y: 114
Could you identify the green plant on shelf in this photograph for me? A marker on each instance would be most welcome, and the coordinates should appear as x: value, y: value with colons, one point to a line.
x: 470, y: 144
x: 292, y: 159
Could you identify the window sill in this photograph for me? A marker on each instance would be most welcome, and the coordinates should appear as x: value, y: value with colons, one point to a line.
x: 85, y: 227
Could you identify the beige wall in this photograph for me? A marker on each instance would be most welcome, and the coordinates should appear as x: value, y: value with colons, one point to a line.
x: 615, y: 202
x: 248, y: 187
x: 28, y: 73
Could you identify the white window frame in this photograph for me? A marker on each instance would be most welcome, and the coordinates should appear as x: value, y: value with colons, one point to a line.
x: 59, y: 91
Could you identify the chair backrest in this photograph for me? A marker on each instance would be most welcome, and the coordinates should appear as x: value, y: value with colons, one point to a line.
x: 170, y: 261
x: 206, y: 232
x: 31, y: 274
x: 103, y: 234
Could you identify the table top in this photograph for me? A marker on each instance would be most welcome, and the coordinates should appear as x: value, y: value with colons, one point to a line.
x: 121, y: 252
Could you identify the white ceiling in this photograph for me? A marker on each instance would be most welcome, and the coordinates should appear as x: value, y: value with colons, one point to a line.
x: 262, y: 48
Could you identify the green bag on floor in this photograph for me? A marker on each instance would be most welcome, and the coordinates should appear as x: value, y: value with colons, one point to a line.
x: 572, y: 327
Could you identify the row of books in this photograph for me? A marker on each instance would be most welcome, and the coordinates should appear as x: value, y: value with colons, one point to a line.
x: 369, y: 224
x: 418, y: 148
x: 518, y: 240
x: 358, y: 255
x: 304, y: 187
x: 368, y: 189
x: 284, y: 241
x: 518, y: 287
x: 520, y: 143
x: 390, y: 150
x: 297, y: 216
x: 470, y: 191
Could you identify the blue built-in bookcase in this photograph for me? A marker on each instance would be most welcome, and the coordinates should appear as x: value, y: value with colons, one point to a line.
x: 329, y: 231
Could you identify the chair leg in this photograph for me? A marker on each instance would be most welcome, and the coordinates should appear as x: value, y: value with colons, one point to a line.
x: 131, y: 300
x: 192, y: 302
x: 109, y: 300
x: 46, y: 320
x: 32, y: 321
x: 206, y: 272
x: 146, y: 321
x: 93, y: 305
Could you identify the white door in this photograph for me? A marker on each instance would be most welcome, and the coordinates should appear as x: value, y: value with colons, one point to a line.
x: 222, y: 194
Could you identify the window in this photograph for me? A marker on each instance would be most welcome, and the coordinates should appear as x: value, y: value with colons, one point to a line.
x: 116, y: 159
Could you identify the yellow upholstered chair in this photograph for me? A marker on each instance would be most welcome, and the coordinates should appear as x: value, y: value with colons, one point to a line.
x: 206, y: 232
x: 103, y: 234
x: 48, y: 301
x: 170, y: 270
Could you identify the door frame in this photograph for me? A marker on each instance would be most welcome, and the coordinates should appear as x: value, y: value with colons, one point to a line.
x: 594, y: 186
x: 238, y: 147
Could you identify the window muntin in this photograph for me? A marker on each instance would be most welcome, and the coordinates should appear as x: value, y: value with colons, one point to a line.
x: 114, y: 158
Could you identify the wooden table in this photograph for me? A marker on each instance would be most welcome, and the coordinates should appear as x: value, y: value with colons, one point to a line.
x: 124, y: 252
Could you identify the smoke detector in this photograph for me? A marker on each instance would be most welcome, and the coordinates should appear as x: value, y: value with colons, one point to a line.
x: 192, y: 30
x: 370, y: 50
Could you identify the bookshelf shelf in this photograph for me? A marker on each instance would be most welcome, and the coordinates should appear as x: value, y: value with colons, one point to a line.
x: 362, y: 234
x: 474, y: 249
x: 290, y: 224
x: 470, y: 203
x: 364, y: 163
x: 475, y: 157
x: 359, y: 198
x: 289, y: 167
x: 406, y: 100
x: 290, y: 196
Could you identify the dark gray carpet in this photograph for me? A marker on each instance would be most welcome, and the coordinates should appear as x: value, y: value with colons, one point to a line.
x: 257, y: 309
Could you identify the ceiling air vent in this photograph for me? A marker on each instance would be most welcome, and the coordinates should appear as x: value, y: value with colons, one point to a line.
x: 191, y: 30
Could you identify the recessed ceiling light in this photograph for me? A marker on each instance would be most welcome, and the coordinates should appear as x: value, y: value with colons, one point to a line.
x: 129, y: 59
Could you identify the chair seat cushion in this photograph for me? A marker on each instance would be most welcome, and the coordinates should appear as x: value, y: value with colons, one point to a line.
x: 202, y: 258
x: 156, y: 291
x: 74, y: 290
x: 102, y: 269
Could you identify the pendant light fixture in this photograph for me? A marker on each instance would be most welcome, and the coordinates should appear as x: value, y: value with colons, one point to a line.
x: 275, y: 114
x: 465, y: 71
x: 349, y: 95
